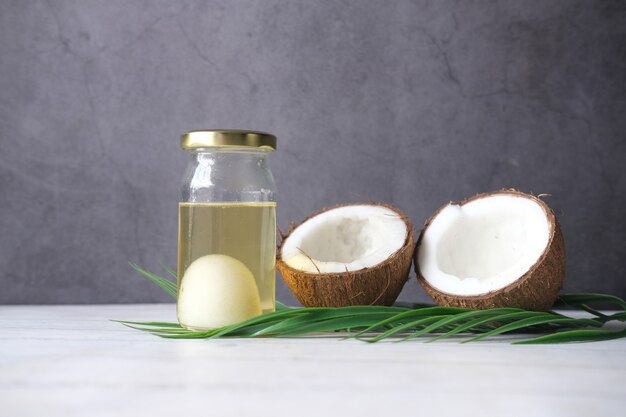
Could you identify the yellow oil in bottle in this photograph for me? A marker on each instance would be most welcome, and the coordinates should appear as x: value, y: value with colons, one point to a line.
x: 244, y: 231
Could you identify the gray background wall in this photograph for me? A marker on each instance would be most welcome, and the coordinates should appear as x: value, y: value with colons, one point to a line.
x: 414, y: 103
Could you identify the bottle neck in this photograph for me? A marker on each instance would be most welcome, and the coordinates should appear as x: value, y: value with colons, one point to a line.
x: 227, y: 157
x: 229, y: 151
x: 228, y: 174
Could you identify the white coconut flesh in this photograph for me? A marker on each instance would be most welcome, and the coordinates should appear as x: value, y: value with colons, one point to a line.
x: 348, y: 238
x: 483, y: 245
x: 215, y: 291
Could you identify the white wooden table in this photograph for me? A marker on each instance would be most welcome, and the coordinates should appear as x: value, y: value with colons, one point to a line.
x: 71, y: 361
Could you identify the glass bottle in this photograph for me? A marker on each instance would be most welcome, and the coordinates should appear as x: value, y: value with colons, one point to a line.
x: 226, y: 229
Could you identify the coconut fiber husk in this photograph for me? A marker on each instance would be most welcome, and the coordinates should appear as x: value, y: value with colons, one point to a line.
x: 537, y: 289
x: 378, y: 285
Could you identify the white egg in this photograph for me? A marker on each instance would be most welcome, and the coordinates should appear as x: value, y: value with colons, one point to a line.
x: 217, y: 290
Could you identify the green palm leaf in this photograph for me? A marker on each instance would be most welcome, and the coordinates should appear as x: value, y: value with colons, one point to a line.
x: 406, y: 321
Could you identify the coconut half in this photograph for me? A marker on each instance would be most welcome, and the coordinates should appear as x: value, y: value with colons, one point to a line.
x: 500, y: 249
x: 357, y: 254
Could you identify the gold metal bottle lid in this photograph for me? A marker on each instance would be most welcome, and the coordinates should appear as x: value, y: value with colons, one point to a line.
x: 227, y: 138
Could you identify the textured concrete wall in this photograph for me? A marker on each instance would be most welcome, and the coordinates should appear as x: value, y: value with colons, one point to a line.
x: 413, y: 103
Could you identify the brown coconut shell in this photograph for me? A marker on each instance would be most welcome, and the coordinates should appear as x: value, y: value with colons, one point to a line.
x: 378, y: 285
x: 537, y: 289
